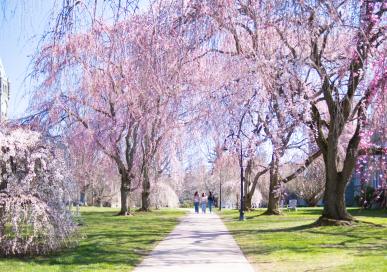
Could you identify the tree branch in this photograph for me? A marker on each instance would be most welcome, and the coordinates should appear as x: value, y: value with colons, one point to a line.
x: 301, y: 169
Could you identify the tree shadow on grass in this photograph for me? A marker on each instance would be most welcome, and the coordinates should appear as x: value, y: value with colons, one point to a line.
x: 285, y: 214
x: 288, y: 229
x: 110, y: 242
x: 358, y: 212
x: 305, y: 214
x: 92, y: 254
x: 358, y: 239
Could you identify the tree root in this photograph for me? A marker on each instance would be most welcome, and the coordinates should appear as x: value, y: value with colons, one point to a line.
x: 275, y: 212
x: 325, y: 221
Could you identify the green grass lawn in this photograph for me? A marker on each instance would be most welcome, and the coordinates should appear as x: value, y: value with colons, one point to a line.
x: 112, y: 243
x: 291, y: 243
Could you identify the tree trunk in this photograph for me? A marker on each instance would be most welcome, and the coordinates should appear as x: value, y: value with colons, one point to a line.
x: 248, y: 191
x: 145, y: 195
x: 273, y: 207
x: 247, y: 202
x: 125, y: 191
x: 335, y: 212
x: 145, y: 201
x: 124, y: 201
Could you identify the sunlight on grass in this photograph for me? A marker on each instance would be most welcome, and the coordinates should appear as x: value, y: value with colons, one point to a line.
x: 112, y: 243
x: 290, y: 242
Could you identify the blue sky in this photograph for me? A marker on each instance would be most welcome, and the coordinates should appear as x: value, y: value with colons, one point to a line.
x: 21, y: 26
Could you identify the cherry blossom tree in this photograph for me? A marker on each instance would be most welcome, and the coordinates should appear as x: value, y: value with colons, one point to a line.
x: 94, y: 172
x: 118, y: 84
x: 345, y: 52
x: 98, y: 98
x: 34, y: 190
x: 161, y: 80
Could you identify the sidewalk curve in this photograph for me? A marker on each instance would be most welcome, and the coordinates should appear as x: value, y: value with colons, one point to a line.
x: 201, y: 242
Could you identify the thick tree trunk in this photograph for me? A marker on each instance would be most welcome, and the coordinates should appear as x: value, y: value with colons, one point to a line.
x: 125, y: 191
x: 125, y: 170
x: 145, y: 195
x: 124, y: 201
x: 273, y: 207
x: 145, y: 201
x: 248, y: 202
x: 335, y: 212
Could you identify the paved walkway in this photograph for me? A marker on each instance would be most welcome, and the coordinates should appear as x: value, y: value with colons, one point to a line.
x: 200, y: 242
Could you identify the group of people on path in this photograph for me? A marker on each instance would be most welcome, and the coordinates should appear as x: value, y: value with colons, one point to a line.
x: 203, y: 200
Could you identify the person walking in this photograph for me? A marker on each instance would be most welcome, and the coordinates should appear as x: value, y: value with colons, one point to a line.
x: 204, y: 202
x: 211, y: 200
x: 196, y: 202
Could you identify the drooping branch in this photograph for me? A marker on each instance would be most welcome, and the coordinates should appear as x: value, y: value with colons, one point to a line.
x: 301, y: 169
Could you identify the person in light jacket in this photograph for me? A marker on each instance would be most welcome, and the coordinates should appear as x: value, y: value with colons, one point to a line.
x: 204, y: 202
x: 196, y: 202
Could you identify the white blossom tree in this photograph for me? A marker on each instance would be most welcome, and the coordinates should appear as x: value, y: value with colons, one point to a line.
x: 34, y: 191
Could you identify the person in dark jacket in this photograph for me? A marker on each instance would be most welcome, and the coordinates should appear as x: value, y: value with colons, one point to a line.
x: 211, y: 200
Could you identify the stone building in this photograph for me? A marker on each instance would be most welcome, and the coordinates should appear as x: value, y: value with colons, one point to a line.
x: 4, y: 93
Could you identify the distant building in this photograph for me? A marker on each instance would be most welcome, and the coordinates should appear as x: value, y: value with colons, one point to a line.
x: 4, y: 93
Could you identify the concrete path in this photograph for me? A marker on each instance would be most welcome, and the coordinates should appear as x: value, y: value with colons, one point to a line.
x: 200, y: 242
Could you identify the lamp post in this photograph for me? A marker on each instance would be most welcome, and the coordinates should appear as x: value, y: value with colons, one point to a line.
x: 220, y: 194
x: 241, y: 208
